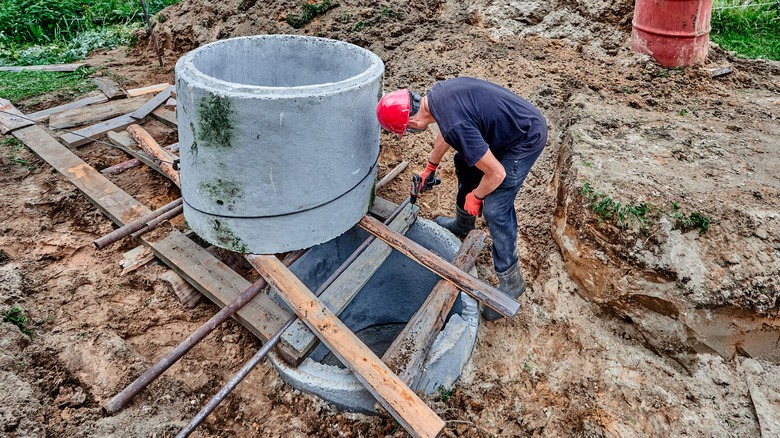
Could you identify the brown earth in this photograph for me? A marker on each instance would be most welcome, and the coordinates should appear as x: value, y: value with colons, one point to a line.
x: 624, y: 331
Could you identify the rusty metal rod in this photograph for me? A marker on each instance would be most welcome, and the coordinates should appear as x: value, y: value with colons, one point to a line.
x: 260, y: 355
x: 120, y: 400
x: 134, y: 226
x: 152, y: 224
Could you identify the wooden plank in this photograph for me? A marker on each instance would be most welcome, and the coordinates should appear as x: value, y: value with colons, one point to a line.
x: 146, y: 90
x: 298, y: 338
x: 408, y: 351
x: 403, y: 404
x: 262, y: 316
x: 170, y: 102
x: 111, y: 89
x: 135, y: 258
x: 43, y: 115
x: 95, y: 113
x: 118, y: 168
x: 188, y: 296
x: 485, y: 293
x: 166, y: 116
x: 66, y: 68
x: 88, y: 134
x: 11, y: 118
x: 383, y: 208
x: 153, y: 103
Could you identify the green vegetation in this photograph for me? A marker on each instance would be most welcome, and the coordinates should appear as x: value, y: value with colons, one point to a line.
x: 15, y: 315
x: 14, y: 146
x: 310, y: 11
x: 752, y: 31
x: 445, y: 394
x: 3, y: 257
x: 21, y: 85
x: 641, y: 215
x: 54, y: 31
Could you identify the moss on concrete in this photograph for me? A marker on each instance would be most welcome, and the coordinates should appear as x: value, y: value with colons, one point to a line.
x: 222, y: 191
x: 226, y: 239
x: 215, y: 114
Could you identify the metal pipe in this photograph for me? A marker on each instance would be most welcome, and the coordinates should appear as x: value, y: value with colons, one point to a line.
x: 260, y: 355
x: 152, y: 224
x: 134, y: 226
x: 120, y: 400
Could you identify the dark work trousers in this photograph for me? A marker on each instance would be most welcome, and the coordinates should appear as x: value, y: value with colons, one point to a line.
x: 499, y: 206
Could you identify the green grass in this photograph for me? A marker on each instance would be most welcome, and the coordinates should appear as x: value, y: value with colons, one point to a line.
x: 751, y: 32
x: 53, y: 31
x: 641, y: 215
x: 19, y: 86
x: 15, y: 315
x: 309, y: 12
x: 14, y: 146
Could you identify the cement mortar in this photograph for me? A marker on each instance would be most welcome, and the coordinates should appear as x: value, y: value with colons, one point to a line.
x: 279, y: 141
x: 376, y: 314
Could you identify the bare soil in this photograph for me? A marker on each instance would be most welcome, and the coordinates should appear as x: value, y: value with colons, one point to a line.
x: 624, y: 331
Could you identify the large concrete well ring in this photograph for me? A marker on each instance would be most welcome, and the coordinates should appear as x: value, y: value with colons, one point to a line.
x: 378, y: 314
x: 278, y: 140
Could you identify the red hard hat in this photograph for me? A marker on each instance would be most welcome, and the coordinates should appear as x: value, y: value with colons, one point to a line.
x: 392, y: 111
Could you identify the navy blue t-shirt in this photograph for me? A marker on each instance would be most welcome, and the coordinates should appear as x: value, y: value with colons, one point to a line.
x: 476, y: 115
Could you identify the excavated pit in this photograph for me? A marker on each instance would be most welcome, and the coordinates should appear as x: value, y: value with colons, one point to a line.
x: 378, y: 313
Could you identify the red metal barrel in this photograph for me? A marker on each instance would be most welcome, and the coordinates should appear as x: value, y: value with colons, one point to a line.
x: 674, y: 32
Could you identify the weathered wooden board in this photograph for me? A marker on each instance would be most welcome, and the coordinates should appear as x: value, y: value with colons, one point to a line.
x: 88, y: 134
x: 165, y: 116
x: 95, y: 113
x: 11, y: 118
x: 408, y: 351
x: 188, y: 296
x: 300, y: 340
x: 43, y: 115
x: 403, y: 404
x: 481, y: 291
x: 262, y: 316
x: 146, y: 90
x: 52, y: 67
x: 153, y: 103
x: 111, y: 89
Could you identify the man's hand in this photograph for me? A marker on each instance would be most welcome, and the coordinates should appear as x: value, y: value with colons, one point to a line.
x: 473, y: 205
x: 427, y: 178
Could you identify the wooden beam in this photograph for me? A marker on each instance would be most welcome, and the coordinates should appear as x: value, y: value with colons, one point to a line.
x: 485, y: 293
x: 262, y: 315
x: 135, y: 258
x: 188, y: 296
x: 165, y: 116
x: 88, y: 134
x: 111, y: 89
x: 298, y: 338
x: 153, y: 103
x: 65, y: 68
x: 11, y: 118
x: 408, y: 351
x: 95, y: 113
x: 43, y: 115
x: 403, y: 404
x: 162, y: 158
x: 146, y: 90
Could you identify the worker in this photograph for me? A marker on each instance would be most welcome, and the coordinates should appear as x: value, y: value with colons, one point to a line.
x: 497, y: 136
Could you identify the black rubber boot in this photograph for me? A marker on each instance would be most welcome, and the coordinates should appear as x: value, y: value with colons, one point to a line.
x: 461, y: 225
x: 510, y: 282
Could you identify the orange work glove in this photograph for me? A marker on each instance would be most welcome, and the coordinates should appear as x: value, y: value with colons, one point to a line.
x: 473, y: 204
x: 428, y: 174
